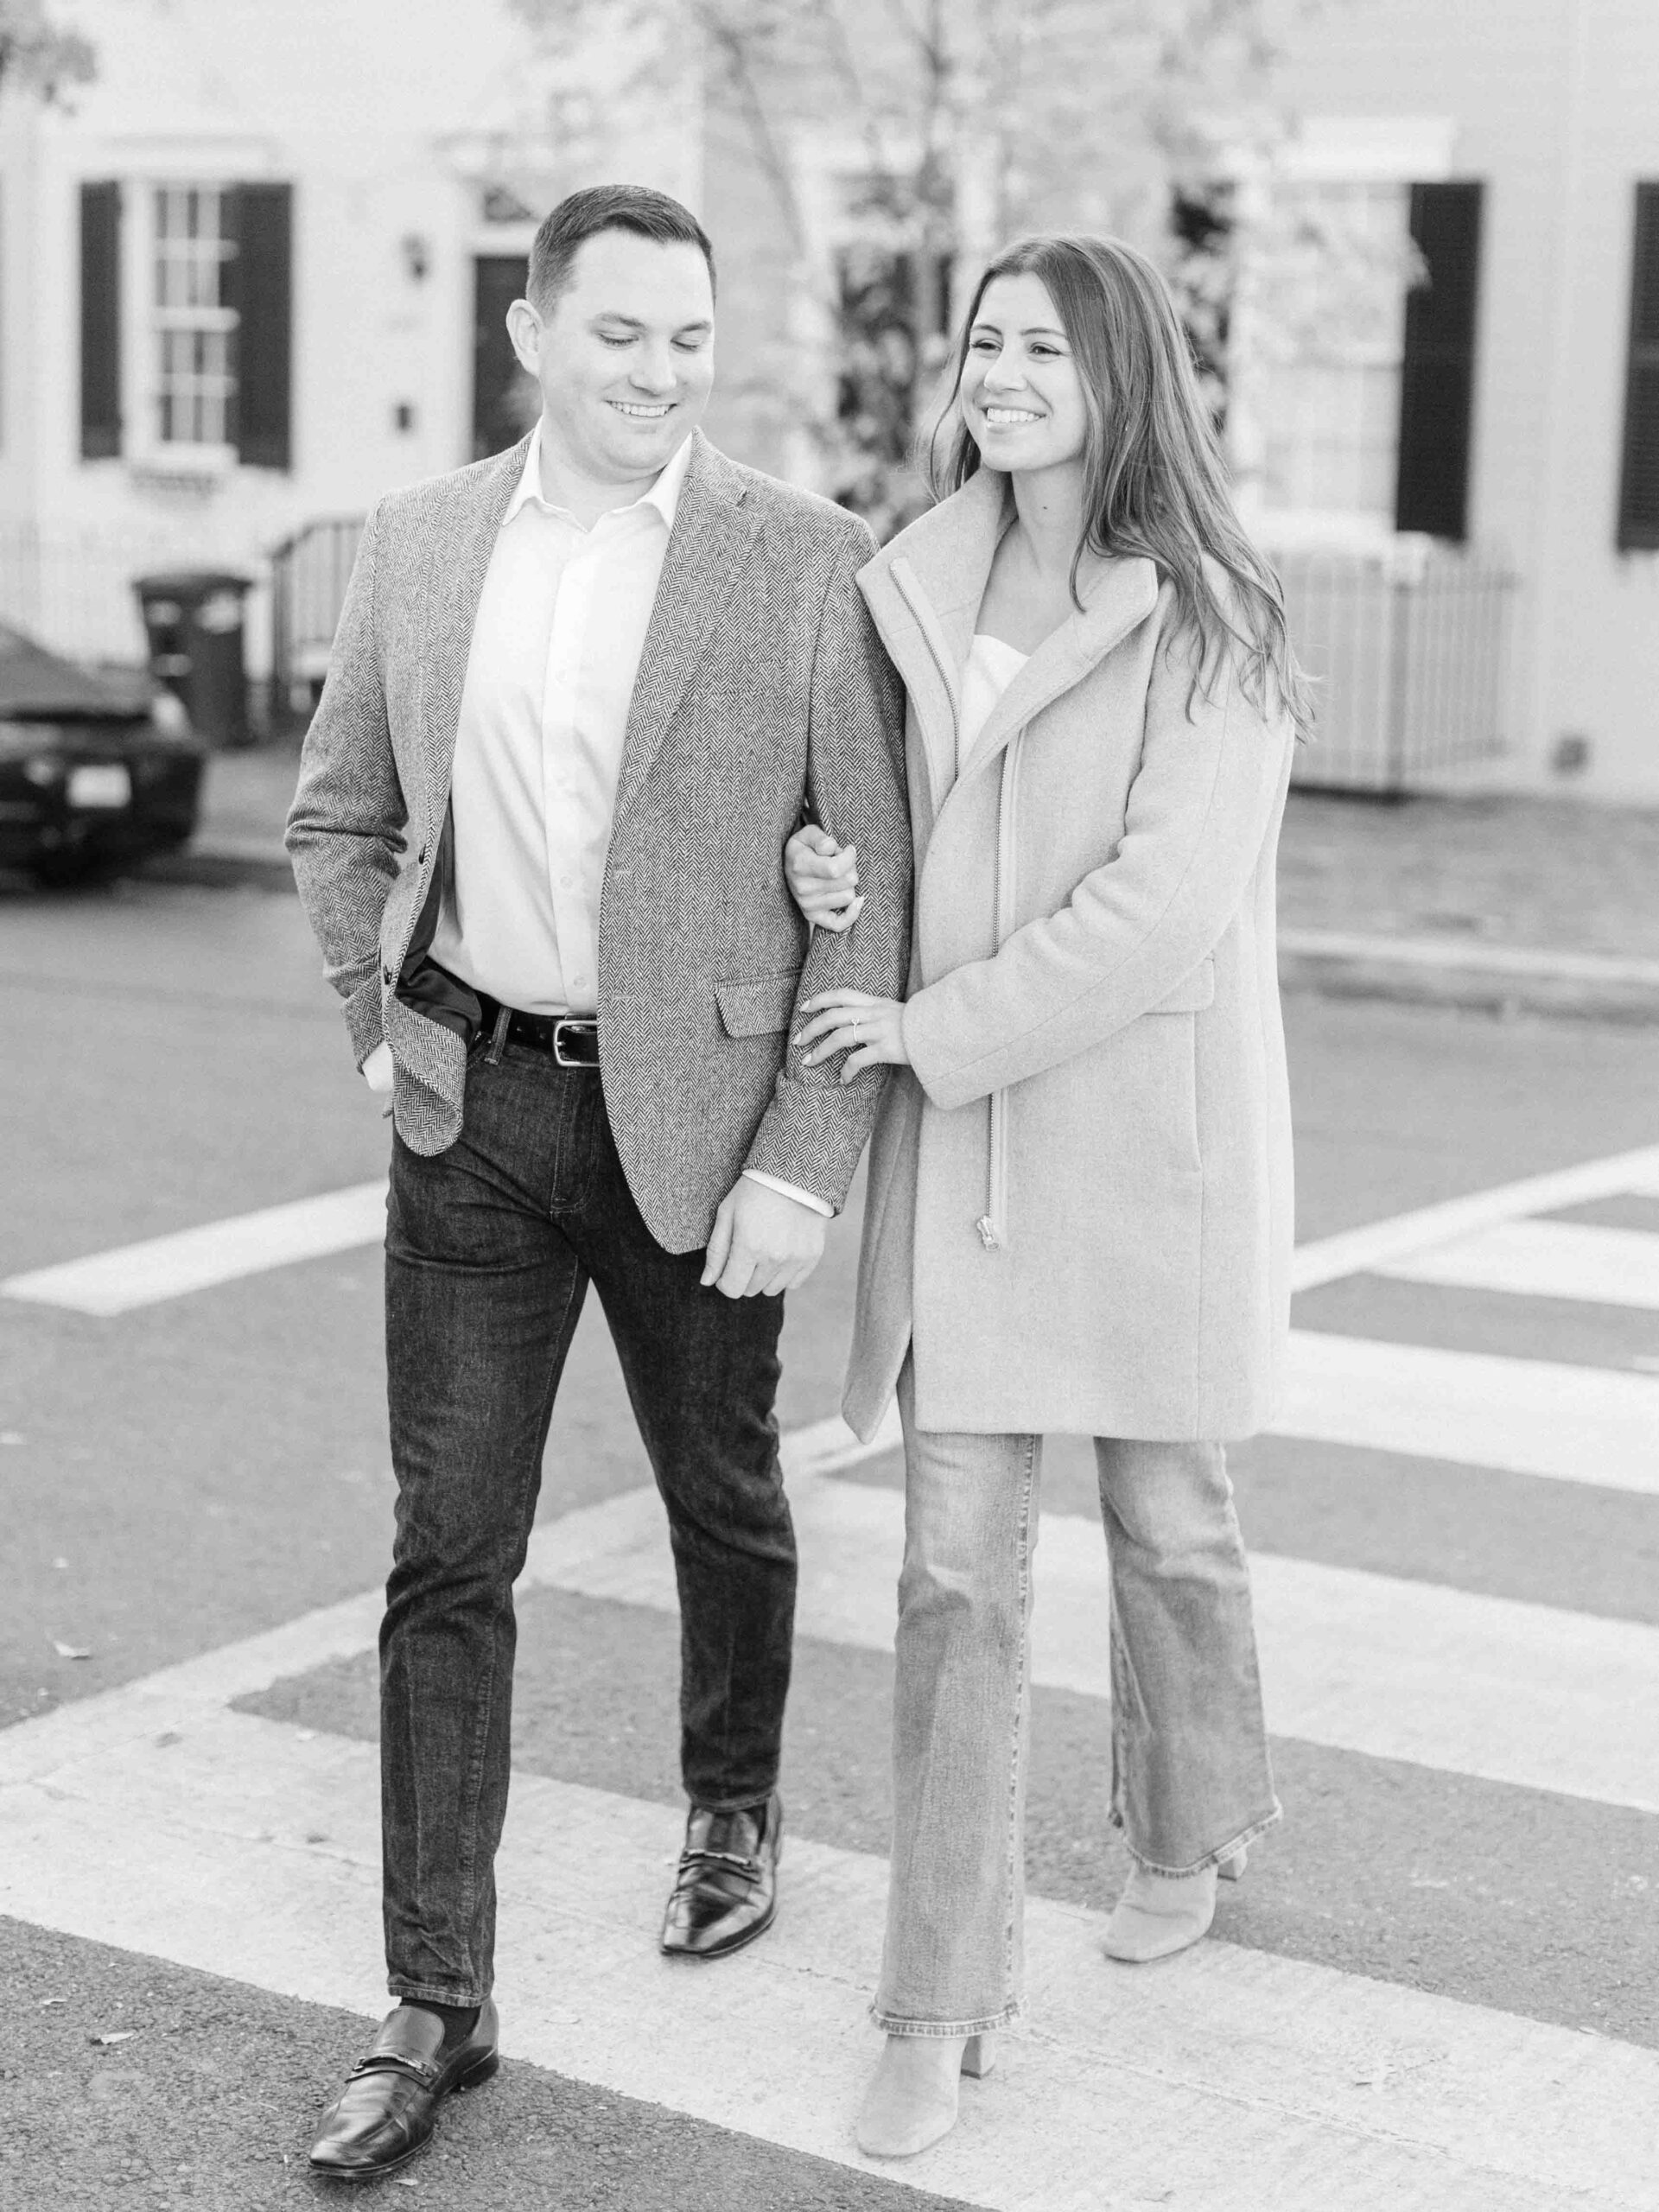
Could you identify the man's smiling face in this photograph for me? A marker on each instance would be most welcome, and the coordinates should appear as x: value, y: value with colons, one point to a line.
x: 625, y: 356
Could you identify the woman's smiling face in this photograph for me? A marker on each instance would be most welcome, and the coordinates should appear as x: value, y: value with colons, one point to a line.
x: 1021, y: 391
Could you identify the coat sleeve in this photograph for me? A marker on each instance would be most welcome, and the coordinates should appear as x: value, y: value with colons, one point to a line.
x: 1199, y: 808
x: 814, y: 1127
x: 345, y: 827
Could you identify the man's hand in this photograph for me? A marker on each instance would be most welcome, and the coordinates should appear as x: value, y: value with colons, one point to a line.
x: 377, y: 1070
x: 763, y: 1244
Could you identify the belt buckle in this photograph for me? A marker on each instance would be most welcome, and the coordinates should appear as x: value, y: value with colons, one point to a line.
x: 585, y: 1030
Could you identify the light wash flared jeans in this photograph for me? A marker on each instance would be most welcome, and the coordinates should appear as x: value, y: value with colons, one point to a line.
x: 1191, y: 1777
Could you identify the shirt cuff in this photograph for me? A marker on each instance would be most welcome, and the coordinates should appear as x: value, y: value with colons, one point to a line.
x: 791, y: 1191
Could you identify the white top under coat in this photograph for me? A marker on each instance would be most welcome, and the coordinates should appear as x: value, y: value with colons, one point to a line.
x: 992, y: 666
x: 559, y: 629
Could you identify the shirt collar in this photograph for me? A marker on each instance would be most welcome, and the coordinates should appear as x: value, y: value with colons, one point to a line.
x: 663, y: 494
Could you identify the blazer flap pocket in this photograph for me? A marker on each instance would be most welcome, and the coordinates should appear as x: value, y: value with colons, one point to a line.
x: 1192, y: 994
x: 758, y: 1004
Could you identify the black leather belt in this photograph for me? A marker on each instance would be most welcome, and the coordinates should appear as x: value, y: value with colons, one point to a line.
x: 572, y: 1040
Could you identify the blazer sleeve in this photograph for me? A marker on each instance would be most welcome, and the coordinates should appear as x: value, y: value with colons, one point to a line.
x: 815, y: 1126
x: 345, y: 827
x: 1200, y: 809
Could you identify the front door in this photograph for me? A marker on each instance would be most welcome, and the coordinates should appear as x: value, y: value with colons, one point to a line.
x: 506, y: 402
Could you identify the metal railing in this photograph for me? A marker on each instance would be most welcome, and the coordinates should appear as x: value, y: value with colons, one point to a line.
x: 310, y: 572
x: 1410, y: 648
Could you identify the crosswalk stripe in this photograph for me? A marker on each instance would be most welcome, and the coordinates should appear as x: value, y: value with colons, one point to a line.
x: 1543, y: 1259
x: 1229, y: 2078
x: 107, y: 1283
x: 1510, y: 1692
x: 130, y: 1275
x: 1529, y: 1416
x: 1364, y: 1249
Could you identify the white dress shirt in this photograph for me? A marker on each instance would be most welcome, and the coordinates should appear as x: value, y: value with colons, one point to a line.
x: 557, y: 641
x: 561, y: 624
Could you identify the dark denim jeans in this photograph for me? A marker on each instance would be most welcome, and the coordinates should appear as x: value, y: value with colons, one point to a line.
x: 490, y: 1248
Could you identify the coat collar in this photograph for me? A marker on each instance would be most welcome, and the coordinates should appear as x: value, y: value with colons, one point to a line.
x: 924, y: 590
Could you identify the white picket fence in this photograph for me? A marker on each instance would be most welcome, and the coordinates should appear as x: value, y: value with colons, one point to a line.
x: 1410, y: 648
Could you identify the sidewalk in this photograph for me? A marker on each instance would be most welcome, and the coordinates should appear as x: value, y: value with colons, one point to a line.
x: 1504, y: 903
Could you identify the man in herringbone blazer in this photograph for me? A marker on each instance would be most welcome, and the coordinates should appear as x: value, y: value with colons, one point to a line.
x: 579, y: 698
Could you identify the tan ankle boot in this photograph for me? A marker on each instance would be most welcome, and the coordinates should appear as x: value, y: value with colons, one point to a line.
x: 1161, y: 1914
x: 911, y: 2102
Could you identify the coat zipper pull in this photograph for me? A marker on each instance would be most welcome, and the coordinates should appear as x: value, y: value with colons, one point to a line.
x: 989, y: 1234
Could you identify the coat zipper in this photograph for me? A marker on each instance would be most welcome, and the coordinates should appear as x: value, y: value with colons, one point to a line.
x: 991, y: 1235
x: 992, y: 1224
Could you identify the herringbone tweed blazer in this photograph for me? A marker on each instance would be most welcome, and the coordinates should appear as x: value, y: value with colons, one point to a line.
x: 762, y: 685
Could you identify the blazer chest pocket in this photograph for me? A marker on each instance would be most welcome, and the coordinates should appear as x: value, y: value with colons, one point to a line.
x: 758, y: 1005
x: 1192, y: 994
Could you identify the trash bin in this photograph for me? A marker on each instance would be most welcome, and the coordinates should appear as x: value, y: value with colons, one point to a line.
x: 194, y: 621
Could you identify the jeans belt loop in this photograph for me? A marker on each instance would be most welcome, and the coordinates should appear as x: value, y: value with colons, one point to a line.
x: 498, y: 1036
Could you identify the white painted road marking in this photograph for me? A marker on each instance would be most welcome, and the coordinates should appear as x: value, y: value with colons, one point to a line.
x: 1544, y: 1259
x: 1529, y: 1416
x: 1355, y: 1251
x: 113, y: 1282
x: 1228, y: 2078
x: 1515, y: 1693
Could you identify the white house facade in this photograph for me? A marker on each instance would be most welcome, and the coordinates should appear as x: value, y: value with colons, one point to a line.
x: 1507, y: 411
x: 254, y: 275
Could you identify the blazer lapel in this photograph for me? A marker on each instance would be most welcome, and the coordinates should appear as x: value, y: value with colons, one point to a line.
x: 711, y: 534
x: 457, y: 561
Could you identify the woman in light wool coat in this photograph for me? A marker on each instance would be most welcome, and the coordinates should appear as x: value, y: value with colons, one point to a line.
x: 1079, y: 1206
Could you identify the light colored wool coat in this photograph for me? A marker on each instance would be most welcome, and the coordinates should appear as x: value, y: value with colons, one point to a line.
x: 762, y: 683
x: 1079, y: 1204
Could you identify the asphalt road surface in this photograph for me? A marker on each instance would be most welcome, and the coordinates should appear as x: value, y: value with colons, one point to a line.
x: 1438, y: 1984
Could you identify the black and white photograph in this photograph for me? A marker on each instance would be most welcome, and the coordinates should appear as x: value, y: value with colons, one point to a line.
x: 830, y: 1102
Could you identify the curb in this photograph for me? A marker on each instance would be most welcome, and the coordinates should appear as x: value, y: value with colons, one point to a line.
x: 1504, y: 980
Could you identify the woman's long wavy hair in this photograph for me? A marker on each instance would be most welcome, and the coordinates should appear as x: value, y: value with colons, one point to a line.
x: 1154, y: 483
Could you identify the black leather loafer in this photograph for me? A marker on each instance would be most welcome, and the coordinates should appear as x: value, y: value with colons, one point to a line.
x: 389, y: 2104
x: 726, y: 1892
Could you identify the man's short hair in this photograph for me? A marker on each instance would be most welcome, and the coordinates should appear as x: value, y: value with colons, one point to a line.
x: 583, y: 215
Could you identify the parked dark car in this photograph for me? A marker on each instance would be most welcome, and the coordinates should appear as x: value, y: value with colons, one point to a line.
x: 97, y: 769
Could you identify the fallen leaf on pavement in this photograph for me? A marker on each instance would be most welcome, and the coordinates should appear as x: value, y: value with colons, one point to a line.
x: 72, y: 1650
x: 117, y: 2035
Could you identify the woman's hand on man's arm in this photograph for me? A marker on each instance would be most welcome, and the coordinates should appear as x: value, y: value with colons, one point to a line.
x: 870, y: 1031
x: 823, y: 880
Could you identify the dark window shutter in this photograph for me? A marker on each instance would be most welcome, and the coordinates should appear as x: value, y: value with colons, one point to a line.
x: 100, y: 321
x: 259, y: 219
x: 1639, y: 479
x: 1437, y: 383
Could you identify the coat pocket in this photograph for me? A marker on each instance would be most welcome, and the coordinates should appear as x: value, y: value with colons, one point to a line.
x: 1193, y: 992
x: 758, y: 1005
